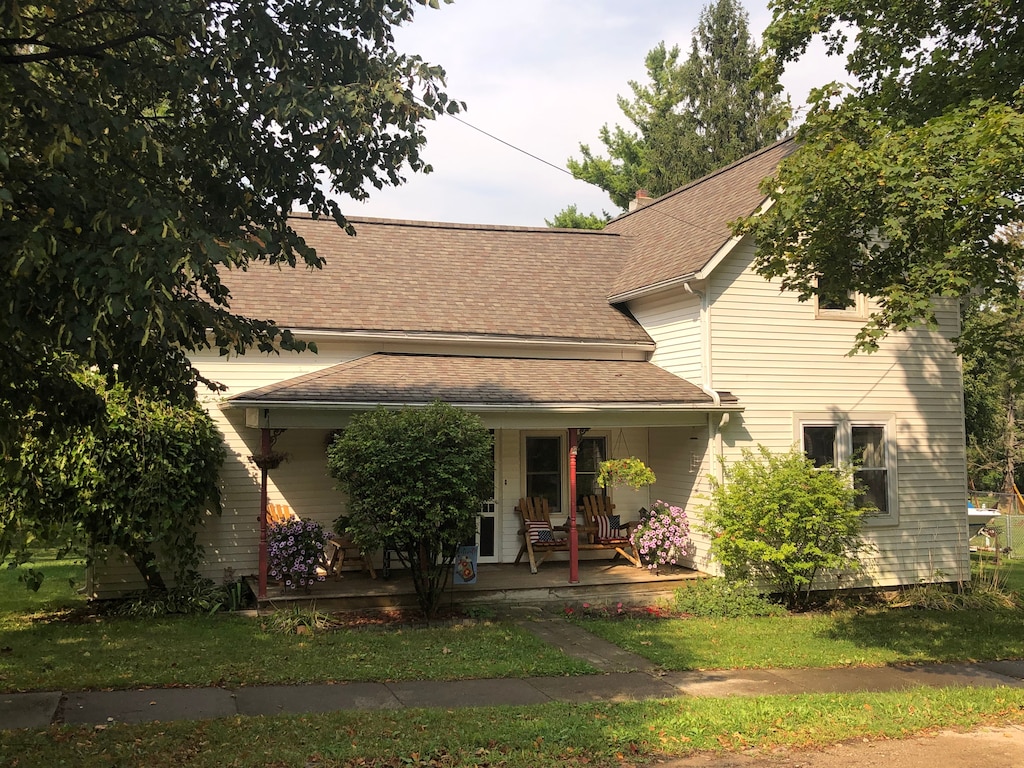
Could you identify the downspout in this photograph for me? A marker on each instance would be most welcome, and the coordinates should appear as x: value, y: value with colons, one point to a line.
x: 264, y: 450
x: 715, y: 425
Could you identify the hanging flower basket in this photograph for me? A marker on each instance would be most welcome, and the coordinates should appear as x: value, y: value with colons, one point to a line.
x: 629, y: 472
x: 271, y: 460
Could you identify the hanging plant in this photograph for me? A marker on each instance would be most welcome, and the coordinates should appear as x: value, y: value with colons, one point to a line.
x: 630, y: 472
x: 271, y: 460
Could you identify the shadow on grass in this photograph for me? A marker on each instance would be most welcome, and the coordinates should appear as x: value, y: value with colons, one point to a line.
x: 934, y: 635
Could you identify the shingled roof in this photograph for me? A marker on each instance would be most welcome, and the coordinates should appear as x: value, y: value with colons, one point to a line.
x: 421, y: 277
x: 679, y: 233
x: 408, y: 379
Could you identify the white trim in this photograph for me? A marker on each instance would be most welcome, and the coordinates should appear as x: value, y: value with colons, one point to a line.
x: 844, y: 423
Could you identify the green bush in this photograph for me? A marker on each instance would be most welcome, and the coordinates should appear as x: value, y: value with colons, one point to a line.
x: 415, y: 479
x: 778, y: 520
x: 722, y: 599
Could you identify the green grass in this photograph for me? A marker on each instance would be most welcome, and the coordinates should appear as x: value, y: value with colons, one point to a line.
x: 231, y: 650
x: 42, y: 653
x: 868, y: 637
x: 1009, y: 574
x: 542, y: 736
x: 59, y: 590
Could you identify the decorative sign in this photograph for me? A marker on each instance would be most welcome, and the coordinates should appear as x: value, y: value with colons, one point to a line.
x: 465, y: 565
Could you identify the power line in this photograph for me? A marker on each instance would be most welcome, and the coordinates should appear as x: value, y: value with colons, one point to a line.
x: 566, y: 171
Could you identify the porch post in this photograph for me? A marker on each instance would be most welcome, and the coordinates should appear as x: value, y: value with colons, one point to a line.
x: 264, y: 450
x: 574, y: 543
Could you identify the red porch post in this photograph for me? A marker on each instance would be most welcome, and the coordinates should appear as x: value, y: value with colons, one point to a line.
x: 574, y: 543
x: 264, y: 450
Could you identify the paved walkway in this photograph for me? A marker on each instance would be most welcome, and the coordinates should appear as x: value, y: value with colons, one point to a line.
x: 625, y: 677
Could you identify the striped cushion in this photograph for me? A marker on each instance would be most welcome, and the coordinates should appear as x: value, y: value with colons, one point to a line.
x: 607, y: 526
x: 539, y: 531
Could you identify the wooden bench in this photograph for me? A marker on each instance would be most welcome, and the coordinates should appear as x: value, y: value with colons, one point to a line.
x: 601, y: 530
x: 540, y: 538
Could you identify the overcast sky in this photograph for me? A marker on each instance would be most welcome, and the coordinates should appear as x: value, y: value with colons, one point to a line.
x: 542, y: 75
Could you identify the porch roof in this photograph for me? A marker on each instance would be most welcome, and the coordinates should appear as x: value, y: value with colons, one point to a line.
x: 486, y: 383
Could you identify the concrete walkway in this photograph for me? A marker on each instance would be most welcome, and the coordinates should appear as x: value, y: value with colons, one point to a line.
x: 625, y: 677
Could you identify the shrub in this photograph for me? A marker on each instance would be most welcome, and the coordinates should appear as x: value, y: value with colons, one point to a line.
x: 722, y: 599
x: 195, y: 596
x: 662, y: 536
x: 415, y: 479
x: 778, y: 519
x: 295, y: 550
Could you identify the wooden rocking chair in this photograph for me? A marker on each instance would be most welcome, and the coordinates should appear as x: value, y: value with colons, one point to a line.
x: 603, y: 530
x: 540, y: 539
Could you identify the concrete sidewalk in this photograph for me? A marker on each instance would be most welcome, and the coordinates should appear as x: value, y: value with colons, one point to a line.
x: 625, y: 677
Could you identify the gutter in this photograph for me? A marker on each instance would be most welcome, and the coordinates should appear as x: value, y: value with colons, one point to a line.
x: 644, y: 346
x: 544, y: 407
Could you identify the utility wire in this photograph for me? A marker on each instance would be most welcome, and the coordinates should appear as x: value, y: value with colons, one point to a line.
x: 566, y: 171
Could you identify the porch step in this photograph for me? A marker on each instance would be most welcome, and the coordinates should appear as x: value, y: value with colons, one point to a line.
x: 498, y: 586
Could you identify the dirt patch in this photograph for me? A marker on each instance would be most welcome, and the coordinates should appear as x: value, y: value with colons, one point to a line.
x: 1002, y: 746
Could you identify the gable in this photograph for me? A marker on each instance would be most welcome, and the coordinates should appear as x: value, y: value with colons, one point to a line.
x: 679, y: 234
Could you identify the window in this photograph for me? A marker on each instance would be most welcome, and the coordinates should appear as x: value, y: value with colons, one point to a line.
x: 869, y: 465
x: 588, y: 460
x: 544, y: 469
x: 862, y: 442
x: 820, y: 444
x: 836, y: 303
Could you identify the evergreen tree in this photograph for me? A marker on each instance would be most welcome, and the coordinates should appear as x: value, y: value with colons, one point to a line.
x: 693, y: 116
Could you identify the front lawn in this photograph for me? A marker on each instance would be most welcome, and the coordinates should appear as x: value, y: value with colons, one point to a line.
x: 44, y: 650
x: 845, y: 638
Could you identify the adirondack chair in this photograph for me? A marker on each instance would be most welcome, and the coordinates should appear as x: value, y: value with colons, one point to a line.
x: 540, y: 539
x: 603, y: 530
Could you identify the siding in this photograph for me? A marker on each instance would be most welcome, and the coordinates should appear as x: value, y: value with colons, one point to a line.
x: 681, y: 460
x: 782, y: 361
x: 673, y: 321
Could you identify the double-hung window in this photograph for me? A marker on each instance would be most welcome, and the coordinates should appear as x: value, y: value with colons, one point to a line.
x: 866, y: 443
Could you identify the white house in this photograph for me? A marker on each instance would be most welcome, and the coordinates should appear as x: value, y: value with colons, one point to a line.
x: 654, y: 335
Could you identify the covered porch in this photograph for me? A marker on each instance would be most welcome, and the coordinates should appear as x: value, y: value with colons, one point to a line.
x: 544, y: 414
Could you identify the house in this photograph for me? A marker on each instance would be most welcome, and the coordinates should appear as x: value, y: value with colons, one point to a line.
x: 653, y: 338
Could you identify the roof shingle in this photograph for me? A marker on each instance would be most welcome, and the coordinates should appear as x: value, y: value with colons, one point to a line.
x: 420, y: 277
x: 679, y: 233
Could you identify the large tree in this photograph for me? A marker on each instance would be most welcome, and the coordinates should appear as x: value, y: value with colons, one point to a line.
x: 149, y: 146
x: 905, y: 182
x: 694, y: 116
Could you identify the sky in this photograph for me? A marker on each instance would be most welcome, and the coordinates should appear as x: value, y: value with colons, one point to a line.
x: 542, y: 75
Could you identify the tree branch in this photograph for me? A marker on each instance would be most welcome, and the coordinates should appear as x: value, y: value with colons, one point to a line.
x: 57, y: 52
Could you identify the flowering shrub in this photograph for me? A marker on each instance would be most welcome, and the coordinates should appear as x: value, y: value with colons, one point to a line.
x: 294, y: 550
x: 662, y: 535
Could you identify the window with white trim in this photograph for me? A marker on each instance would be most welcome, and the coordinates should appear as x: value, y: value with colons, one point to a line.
x: 837, y: 303
x: 865, y: 444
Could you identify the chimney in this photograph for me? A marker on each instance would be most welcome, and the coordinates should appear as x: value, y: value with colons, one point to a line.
x: 642, y: 198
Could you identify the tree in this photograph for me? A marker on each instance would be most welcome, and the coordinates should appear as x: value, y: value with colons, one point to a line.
x: 415, y: 479
x: 146, y: 148
x: 779, y: 519
x: 570, y: 218
x: 694, y: 116
x: 140, y: 482
x: 902, y: 184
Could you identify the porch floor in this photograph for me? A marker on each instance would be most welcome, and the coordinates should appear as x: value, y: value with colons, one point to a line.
x: 500, y: 585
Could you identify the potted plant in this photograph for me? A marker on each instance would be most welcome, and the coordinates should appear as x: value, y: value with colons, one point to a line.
x: 629, y: 472
x: 662, y: 536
